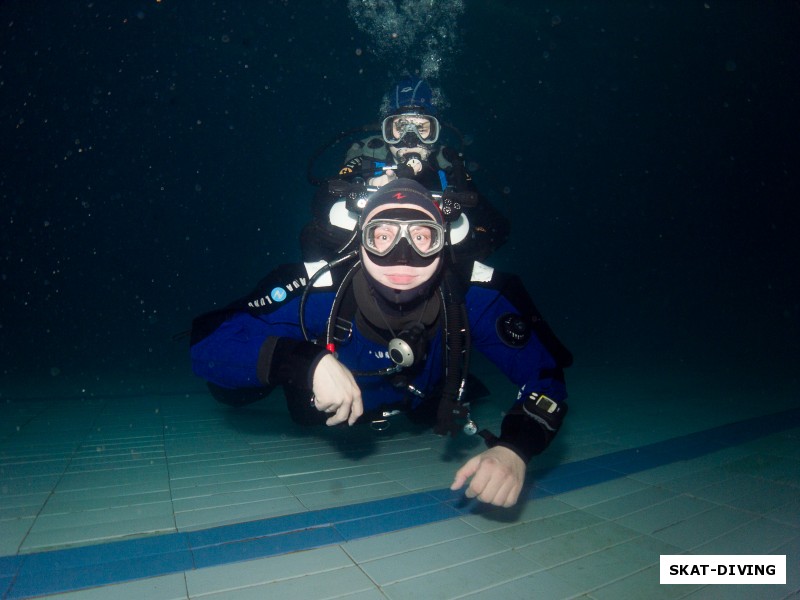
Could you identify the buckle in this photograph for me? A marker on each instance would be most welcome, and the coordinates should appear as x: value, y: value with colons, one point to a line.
x: 342, y: 330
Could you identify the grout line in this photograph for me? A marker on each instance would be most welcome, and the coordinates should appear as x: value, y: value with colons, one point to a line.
x: 163, y: 438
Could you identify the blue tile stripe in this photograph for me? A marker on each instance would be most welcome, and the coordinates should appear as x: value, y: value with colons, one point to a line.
x: 41, y: 573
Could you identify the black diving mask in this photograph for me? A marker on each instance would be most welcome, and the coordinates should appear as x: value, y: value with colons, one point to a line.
x: 396, y: 128
x: 381, y: 236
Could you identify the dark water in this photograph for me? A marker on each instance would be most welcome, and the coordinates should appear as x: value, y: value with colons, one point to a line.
x: 154, y: 165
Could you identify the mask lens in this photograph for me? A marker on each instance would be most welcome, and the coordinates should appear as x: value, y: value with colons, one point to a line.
x: 424, y: 238
x: 381, y: 236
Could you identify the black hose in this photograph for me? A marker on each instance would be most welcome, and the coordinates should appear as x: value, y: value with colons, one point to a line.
x: 331, y: 265
x: 457, y: 345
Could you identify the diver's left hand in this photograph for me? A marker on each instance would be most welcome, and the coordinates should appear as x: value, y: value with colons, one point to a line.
x: 336, y: 392
x: 497, y: 476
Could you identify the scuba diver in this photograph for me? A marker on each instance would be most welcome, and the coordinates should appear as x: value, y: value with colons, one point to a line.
x: 407, y: 147
x: 389, y: 327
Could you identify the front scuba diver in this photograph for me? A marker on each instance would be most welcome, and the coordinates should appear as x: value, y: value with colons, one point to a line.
x: 327, y: 337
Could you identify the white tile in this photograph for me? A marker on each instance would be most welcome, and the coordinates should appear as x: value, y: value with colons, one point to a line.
x: 29, y: 485
x: 432, y: 558
x: 106, y: 514
x: 613, y: 563
x: 602, y: 492
x: 788, y: 514
x: 574, y: 544
x: 12, y: 534
x: 22, y: 505
x: 464, y: 578
x: 43, y: 538
x: 231, y: 498
x: 760, y: 536
x: 165, y: 587
x: 667, y: 513
x: 237, y: 513
x: 537, y: 585
x: 340, y: 583
x: 643, y: 584
x: 145, y: 478
x: 85, y: 500
x: 389, y: 544
x: 630, y: 503
x: 319, y: 478
x: 699, y: 529
x: 226, y: 578
x: 523, y: 534
x: 208, y: 468
x: 354, y: 495
x: 230, y: 483
x: 336, y: 485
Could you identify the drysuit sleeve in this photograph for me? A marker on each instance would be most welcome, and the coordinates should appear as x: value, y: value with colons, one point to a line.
x: 515, y: 338
x: 257, y: 340
x: 246, y: 352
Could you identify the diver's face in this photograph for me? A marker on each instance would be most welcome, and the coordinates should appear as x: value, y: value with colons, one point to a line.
x: 402, y: 268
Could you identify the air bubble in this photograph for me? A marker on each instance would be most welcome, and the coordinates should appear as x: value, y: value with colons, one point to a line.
x: 423, y: 36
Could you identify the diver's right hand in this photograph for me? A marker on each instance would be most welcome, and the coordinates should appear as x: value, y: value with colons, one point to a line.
x: 382, y: 179
x: 336, y: 392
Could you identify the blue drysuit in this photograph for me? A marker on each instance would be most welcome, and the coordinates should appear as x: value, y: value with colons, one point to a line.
x: 227, y: 346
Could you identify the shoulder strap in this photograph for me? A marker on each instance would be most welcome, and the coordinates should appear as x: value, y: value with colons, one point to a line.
x: 344, y: 314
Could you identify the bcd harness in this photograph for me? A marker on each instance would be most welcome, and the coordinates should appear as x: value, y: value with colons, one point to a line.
x: 453, y: 414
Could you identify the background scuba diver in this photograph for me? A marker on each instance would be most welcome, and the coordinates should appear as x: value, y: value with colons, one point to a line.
x: 401, y: 284
x: 407, y: 147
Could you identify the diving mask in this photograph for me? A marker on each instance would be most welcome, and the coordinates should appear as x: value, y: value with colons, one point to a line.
x: 381, y: 236
x: 424, y: 127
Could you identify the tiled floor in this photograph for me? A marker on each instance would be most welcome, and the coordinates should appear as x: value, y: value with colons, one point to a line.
x: 170, y: 495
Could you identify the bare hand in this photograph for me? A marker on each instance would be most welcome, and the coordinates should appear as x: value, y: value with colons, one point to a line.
x: 382, y: 180
x: 336, y: 392
x: 497, y: 476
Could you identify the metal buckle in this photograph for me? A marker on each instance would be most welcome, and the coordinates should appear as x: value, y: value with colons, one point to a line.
x: 384, y: 423
x: 342, y: 330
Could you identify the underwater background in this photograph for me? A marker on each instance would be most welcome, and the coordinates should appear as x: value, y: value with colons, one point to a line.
x: 154, y: 158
